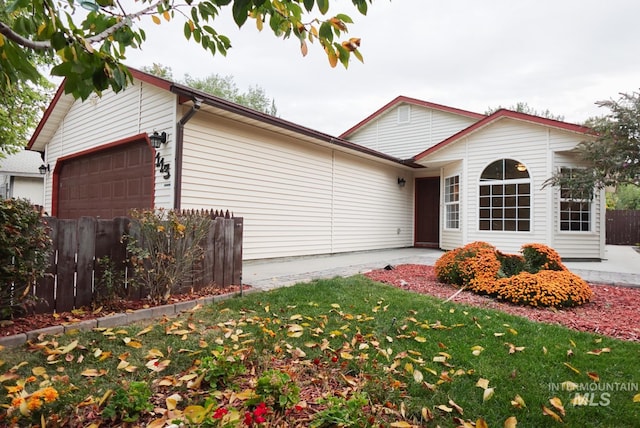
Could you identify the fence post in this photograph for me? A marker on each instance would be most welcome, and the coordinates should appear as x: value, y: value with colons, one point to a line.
x: 238, y: 231
x: 45, y: 287
x: 67, y: 245
x: 86, y: 256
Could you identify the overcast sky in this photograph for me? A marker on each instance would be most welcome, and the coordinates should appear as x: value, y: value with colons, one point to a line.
x: 561, y: 55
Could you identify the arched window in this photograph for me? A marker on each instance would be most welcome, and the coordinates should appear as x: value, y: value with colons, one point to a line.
x: 505, y: 197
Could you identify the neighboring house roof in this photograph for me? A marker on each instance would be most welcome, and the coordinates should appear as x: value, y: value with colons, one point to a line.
x: 499, y: 115
x: 62, y: 102
x: 406, y: 100
x: 21, y: 164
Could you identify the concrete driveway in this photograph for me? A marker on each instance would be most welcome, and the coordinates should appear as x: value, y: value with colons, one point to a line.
x: 621, y: 266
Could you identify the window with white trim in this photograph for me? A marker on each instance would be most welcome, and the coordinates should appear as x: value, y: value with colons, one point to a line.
x: 505, y: 197
x: 575, y: 212
x: 452, y: 202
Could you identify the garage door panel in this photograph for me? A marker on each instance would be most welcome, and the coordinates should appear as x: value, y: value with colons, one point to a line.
x: 108, y: 183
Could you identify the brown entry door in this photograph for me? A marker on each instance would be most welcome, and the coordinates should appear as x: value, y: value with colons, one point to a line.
x: 106, y: 183
x: 427, y: 212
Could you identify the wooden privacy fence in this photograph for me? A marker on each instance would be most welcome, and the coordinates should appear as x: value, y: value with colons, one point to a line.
x: 623, y: 227
x: 80, y: 246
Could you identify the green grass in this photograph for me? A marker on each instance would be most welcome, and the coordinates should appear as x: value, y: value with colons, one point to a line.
x: 412, y: 355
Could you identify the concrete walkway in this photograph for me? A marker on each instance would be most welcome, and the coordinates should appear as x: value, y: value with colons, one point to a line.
x: 621, y: 266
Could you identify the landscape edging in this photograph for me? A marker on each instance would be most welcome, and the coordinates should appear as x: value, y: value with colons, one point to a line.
x: 119, y: 319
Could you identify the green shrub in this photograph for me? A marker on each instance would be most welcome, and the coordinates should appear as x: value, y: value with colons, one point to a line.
x: 128, y: 404
x: 276, y: 388
x: 164, y: 246
x: 24, y: 254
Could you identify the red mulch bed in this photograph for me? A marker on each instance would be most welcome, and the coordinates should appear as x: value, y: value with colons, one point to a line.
x: 613, y: 311
x: 37, y: 321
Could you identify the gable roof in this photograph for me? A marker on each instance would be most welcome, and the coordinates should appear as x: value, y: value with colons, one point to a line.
x: 62, y: 102
x: 502, y: 114
x: 407, y: 100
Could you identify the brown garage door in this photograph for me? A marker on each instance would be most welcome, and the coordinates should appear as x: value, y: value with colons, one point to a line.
x: 107, y: 183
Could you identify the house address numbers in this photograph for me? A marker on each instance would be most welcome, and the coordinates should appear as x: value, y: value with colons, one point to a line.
x: 164, y: 167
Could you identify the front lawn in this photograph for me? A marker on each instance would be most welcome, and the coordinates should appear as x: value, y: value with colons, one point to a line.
x: 347, y: 352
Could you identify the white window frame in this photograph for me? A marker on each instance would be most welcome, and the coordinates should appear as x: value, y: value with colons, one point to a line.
x: 501, y: 203
x: 580, y: 212
x: 451, y: 197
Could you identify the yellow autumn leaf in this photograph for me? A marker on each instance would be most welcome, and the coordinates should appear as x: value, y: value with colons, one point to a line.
x: 481, y: 423
x: 134, y: 344
x: 636, y: 398
x: 482, y: 383
x: 455, y: 406
x: 346, y: 356
x: 154, y: 353
x: 155, y: 19
x: 418, y: 376
x: 39, y: 371
x: 70, y: 347
x: 93, y: 372
x: 295, y: 317
x: 575, y: 370
x: 122, y: 365
x: 510, y: 422
x: 557, y: 403
x: 444, y: 408
x: 477, y: 350
x: 518, y: 402
x: 401, y: 424
x: 487, y: 394
x: 420, y: 339
x: 166, y: 15
x: 145, y: 331
x: 599, y: 351
x: 548, y: 412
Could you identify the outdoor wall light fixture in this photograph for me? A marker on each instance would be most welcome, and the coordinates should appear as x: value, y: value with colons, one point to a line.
x: 158, y: 139
x: 43, y: 169
x: 401, y: 181
x: 521, y: 167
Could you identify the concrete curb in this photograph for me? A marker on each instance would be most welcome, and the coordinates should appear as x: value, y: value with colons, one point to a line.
x: 119, y: 319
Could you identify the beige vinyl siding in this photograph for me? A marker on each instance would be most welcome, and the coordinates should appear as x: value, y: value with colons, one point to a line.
x: 579, y: 245
x: 370, y: 210
x: 296, y: 198
x: 509, y: 139
x: 530, y: 144
x: 425, y: 128
x: 140, y: 108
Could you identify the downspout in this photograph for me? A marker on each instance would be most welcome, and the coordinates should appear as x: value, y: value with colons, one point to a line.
x: 177, y: 196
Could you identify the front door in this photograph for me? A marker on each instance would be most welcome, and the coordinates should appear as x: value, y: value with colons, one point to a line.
x: 427, y: 212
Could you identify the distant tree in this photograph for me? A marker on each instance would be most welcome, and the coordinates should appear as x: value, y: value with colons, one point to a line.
x: 625, y: 197
x: 224, y: 87
x: 612, y: 158
x: 523, y: 107
x: 159, y: 70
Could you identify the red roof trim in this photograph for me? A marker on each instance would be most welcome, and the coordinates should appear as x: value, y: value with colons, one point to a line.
x: 45, y: 116
x: 503, y: 113
x: 402, y: 99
